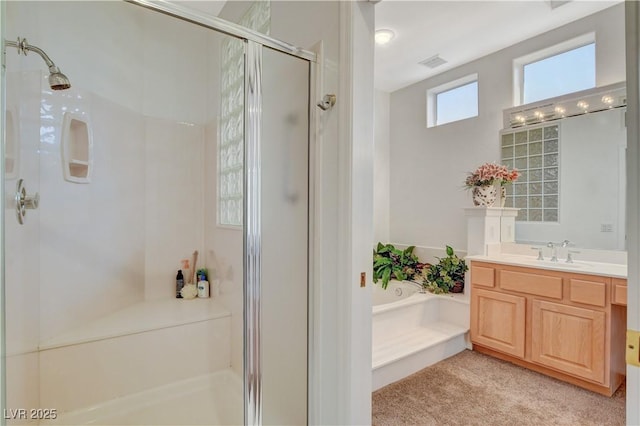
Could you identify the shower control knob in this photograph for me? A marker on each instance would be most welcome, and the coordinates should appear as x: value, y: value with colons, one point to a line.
x: 24, y: 202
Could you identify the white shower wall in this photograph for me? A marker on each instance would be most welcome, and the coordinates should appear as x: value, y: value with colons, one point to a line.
x: 117, y: 240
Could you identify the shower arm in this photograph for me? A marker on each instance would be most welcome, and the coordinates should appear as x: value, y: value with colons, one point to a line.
x: 24, y: 47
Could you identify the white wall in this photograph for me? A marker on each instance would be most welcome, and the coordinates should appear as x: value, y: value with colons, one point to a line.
x: 428, y: 166
x: 381, y: 202
x: 118, y: 239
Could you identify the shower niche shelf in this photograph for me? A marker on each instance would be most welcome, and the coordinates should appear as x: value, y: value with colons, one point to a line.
x: 77, y: 147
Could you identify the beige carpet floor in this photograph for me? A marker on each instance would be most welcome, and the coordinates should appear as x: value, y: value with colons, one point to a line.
x: 474, y: 389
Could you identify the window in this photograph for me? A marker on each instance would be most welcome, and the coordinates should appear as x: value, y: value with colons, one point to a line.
x: 453, y: 101
x: 231, y: 138
x: 535, y: 153
x: 565, y: 68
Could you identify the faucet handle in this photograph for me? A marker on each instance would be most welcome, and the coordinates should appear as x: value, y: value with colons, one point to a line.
x: 566, y: 243
x: 569, y: 257
x: 550, y: 244
x: 540, y: 257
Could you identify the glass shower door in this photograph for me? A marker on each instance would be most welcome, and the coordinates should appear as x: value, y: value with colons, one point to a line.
x: 285, y: 237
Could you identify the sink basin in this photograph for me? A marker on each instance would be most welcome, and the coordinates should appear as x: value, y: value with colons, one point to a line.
x: 533, y: 261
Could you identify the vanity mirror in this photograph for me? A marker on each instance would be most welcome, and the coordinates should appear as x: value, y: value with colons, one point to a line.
x: 571, y: 153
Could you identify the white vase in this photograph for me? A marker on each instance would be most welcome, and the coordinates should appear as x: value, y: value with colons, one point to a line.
x: 484, y: 195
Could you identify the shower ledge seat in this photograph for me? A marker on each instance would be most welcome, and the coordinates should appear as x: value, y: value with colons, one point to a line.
x: 141, y: 317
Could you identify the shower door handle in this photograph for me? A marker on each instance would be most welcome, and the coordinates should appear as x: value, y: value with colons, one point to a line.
x: 24, y: 201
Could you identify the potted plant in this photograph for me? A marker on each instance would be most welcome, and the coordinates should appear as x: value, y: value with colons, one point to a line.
x: 392, y: 263
x: 447, y: 275
x: 483, y: 183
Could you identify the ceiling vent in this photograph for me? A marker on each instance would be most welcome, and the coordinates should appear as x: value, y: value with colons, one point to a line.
x: 433, y: 62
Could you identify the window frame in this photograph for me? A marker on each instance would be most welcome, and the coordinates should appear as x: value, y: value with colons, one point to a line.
x: 432, y: 98
x: 548, y: 52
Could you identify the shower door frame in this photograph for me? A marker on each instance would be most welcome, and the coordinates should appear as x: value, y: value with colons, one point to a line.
x: 254, y: 43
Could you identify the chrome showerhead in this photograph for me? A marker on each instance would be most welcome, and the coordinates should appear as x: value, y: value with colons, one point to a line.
x: 57, y: 80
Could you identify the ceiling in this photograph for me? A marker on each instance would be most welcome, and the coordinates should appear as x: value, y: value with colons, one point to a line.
x: 460, y: 32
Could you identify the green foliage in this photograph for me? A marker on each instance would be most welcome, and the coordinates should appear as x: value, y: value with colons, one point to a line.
x: 441, y: 277
x: 392, y: 263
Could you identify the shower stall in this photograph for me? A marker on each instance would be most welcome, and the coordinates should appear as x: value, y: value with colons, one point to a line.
x: 173, y: 140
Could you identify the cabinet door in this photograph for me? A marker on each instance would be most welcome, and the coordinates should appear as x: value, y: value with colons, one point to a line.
x: 498, y: 321
x: 619, y: 291
x: 569, y: 339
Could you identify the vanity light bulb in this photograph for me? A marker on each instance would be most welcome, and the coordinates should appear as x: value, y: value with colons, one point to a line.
x: 559, y: 110
x: 582, y: 104
x: 608, y: 100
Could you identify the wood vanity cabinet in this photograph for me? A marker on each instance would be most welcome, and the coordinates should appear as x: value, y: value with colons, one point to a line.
x: 566, y: 325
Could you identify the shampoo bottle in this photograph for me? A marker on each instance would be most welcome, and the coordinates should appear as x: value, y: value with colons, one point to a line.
x: 179, y: 284
x: 203, y: 289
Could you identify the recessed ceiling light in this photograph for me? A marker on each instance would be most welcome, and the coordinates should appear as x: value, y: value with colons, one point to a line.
x: 384, y: 36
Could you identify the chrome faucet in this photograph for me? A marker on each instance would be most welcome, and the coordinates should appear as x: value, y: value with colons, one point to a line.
x: 569, y: 257
x: 554, y: 252
x: 540, y: 257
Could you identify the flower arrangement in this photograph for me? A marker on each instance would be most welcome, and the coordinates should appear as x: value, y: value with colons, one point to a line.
x: 491, y: 173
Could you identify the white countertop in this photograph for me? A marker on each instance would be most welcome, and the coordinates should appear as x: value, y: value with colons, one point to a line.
x: 577, y: 267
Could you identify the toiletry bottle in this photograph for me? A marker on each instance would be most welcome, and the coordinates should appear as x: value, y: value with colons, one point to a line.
x: 179, y: 284
x: 203, y: 289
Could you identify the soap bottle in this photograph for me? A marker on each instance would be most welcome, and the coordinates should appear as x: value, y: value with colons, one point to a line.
x: 203, y: 289
x: 179, y: 284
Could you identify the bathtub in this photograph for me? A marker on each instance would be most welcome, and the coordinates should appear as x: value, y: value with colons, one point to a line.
x: 414, y: 330
x: 396, y: 290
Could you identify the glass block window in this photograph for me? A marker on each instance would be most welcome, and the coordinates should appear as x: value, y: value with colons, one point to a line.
x: 535, y: 153
x: 231, y: 136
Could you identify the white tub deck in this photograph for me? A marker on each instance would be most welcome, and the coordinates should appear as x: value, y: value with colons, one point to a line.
x: 413, y: 333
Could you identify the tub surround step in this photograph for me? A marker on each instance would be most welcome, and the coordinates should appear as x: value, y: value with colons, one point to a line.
x: 410, y: 341
x: 414, y: 350
x: 140, y: 317
x: 214, y: 398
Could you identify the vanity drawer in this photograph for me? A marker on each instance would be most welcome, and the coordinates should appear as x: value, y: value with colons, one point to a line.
x: 619, y: 291
x: 588, y: 292
x: 531, y: 283
x: 482, y: 276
